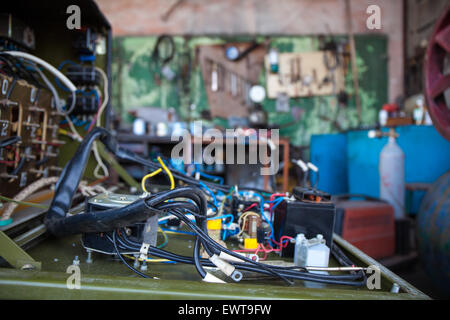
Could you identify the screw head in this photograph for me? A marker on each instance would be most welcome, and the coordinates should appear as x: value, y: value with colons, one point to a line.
x: 27, y: 267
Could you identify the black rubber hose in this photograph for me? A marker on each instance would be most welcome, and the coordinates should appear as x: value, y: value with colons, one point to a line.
x: 110, y: 219
x: 71, y: 176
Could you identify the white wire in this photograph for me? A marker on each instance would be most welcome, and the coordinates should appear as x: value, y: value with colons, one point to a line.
x: 51, y: 87
x: 106, y: 95
x: 46, y: 65
x: 100, y: 163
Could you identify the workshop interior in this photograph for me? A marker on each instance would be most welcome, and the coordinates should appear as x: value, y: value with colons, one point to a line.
x: 194, y: 149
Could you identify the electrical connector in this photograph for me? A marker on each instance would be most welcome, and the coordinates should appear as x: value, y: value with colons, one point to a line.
x: 227, y: 268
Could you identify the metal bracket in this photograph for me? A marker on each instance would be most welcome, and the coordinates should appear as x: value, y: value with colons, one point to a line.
x: 15, y: 255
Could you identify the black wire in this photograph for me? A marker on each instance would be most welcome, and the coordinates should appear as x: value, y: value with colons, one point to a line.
x: 286, y: 270
x: 219, y: 248
x: 329, y: 279
x: 123, y: 260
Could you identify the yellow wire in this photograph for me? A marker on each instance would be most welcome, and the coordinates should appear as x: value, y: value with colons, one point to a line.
x: 151, y: 174
x: 146, y: 260
x: 166, y: 239
x: 172, y: 181
x: 154, y: 173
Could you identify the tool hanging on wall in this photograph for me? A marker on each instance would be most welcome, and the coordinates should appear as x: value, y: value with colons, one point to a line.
x: 304, y: 74
x: 228, y: 82
x: 233, y: 53
x: 162, y: 55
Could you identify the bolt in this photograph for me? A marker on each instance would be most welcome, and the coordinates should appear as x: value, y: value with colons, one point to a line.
x: 136, y: 261
x: 89, y: 256
x: 76, y: 261
x: 144, y: 266
x: 27, y: 267
x: 395, y: 288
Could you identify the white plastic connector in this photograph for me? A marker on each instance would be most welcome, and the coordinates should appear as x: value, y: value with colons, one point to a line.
x: 144, y: 251
x: 229, y: 257
x: 211, y: 278
x: 224, y: 266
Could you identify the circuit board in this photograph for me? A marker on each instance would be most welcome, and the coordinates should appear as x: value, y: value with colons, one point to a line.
x: 30, y: 120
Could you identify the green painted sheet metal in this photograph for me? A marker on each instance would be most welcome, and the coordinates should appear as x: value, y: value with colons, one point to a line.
x: 51, y: 285
x: 108, y: 278
x: 15, y: 255
x: 135, y: 85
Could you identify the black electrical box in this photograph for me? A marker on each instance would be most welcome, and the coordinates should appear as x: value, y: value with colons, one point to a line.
x: 311, y: 218
x: 84, y: 105
x: 83, y: 75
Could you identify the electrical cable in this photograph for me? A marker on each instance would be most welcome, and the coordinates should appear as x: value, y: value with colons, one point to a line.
x: 151, y: 174
x: 286, y: 271
x: 45, y: 64
x: 110, y: 220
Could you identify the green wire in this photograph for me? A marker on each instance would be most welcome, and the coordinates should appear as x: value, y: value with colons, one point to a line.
x: 166, y: 239
x: 24, y: 203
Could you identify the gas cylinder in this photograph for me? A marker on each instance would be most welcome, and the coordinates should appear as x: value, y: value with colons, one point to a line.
x: 392, y: 175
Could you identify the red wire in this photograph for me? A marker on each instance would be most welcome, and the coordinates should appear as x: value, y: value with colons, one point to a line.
x: 7, y: 162
x: 273, y: 196
x: 249, y: 207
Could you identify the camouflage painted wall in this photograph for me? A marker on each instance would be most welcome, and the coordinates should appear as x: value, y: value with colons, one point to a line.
x: 134, y: 85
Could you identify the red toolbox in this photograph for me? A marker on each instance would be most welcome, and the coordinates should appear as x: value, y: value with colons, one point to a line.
x: 368, y: 225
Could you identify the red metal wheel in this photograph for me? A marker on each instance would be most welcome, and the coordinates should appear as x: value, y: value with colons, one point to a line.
x: 437, y: 75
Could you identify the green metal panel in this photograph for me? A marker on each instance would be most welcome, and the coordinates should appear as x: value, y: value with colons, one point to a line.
x: 108, y: 278
x: 49, y: 285
x: 14, y: 254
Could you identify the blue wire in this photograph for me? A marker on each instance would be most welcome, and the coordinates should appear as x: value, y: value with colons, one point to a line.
x: 208, y: 176
x: 88, y: 58
x: 274, y: 206
x: 162, y: 245
x: 61, y: 65
x: 209, y: 191
x: 225, y: 216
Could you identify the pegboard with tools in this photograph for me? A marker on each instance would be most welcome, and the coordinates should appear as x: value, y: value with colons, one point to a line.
x: 228, y: 82
x: 305, y: 74
x: 28, y: 135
